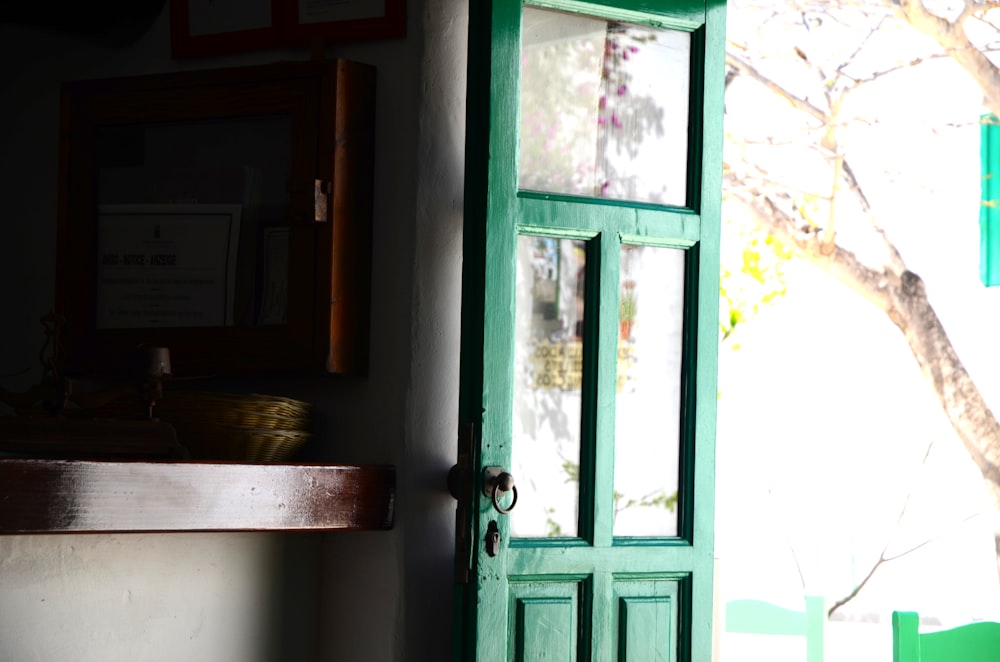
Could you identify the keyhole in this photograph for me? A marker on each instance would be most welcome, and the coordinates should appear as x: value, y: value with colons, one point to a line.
x: 492, y: 539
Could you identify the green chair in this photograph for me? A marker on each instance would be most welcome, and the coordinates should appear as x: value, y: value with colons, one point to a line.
x: 974, y: 642
x: 757, y: 617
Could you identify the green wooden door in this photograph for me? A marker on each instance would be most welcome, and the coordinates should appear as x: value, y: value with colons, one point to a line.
x: 590, y: 327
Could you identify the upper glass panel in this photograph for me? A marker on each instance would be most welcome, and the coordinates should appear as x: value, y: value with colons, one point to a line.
x: 604, y: 108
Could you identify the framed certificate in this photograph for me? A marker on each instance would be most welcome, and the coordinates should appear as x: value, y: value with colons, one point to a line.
x: 224, y: 214
x: 166, y: 265
x: 213, y: 27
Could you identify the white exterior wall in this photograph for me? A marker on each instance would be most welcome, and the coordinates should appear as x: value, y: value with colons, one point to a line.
x: 249, y: 597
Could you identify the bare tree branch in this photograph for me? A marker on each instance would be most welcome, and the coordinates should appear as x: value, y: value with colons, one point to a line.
x: 887, y: 559
x: 843, y: 264
x: 883, y: 558
x: 891, y: 70
x: 903, y: 298
x: 953, y: 39
x: 830, y: 143
x: 891, y: 286
x: 748, y: 69
x: 861, y: 45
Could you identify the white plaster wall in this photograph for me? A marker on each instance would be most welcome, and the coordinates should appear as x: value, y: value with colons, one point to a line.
x: 433, y: 397
x: 248, y: 597
x: 139, y: 597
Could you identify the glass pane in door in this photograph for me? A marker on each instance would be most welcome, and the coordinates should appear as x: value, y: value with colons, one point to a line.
x: 548, y: 378
x: 604, y: 108
x: 648, y: 402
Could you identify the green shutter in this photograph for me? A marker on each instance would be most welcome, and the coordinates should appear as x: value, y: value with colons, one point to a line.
x: 989, y: 208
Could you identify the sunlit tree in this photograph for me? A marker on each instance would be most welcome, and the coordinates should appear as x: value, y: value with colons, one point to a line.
x: 796, y: 179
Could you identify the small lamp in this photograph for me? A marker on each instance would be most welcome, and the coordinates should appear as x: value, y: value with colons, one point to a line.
x: 157, y: 368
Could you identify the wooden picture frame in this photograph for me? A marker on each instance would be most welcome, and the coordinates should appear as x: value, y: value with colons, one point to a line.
x: 202, y: 28
x: 153, y: 140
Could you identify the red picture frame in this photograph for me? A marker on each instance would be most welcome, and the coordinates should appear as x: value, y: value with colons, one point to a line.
x: 202, y: 28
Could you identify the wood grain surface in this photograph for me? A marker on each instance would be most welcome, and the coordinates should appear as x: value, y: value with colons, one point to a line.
x: 67, y: 496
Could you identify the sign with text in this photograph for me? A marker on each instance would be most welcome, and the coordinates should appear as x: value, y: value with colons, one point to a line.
x: 559, y: 365
x: 166, y: 265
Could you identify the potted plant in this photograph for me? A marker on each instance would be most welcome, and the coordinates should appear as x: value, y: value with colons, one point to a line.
x: 626, y: 311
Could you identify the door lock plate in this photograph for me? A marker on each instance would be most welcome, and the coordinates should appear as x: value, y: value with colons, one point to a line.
x: 492, y: 538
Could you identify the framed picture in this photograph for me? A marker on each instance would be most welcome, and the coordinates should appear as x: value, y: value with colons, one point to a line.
x: 192, y: 216
x: 201, y: 28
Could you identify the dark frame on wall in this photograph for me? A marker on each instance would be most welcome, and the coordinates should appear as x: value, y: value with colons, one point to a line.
x: 324, y: 212
x: 201, y: 28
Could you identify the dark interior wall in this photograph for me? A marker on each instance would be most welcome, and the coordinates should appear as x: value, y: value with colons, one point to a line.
x: 250, y: 596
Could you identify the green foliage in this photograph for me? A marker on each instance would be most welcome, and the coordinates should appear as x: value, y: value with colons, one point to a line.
x: 658, y: 499
x: 627, y: 306
x: 552, y: 528
x: 753, y: 275
x: 572, y: 471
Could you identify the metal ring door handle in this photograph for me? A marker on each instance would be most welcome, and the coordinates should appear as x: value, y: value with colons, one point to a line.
x: 496, y: 482
x: 513, y: 501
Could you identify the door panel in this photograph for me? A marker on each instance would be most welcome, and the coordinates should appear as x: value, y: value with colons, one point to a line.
x: 608, y: 431
x: 647, y: 620
x: 545, y: 617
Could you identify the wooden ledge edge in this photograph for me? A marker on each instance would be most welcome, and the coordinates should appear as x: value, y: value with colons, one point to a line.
x: 97, y: 496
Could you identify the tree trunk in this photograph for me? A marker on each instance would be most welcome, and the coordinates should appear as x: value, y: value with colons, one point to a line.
x: 971, y: 418
x: 962, y: 402
x: 904, y: 299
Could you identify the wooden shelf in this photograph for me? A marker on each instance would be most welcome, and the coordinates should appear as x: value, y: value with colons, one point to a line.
x: 76, y: 496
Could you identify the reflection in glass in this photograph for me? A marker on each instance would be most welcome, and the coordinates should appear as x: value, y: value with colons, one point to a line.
x: 604, y: 108
x: 548, y: 364
x: 173, y: 167
x: 647, y: 410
